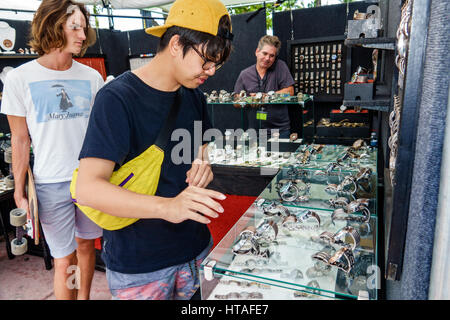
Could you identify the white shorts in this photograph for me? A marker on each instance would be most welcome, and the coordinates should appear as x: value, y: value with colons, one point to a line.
x: 61, y: 220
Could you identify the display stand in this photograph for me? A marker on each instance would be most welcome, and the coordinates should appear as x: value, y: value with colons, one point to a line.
x: 280, y: 261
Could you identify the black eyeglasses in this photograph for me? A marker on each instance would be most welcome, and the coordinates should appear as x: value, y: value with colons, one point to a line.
x: 208, y: 64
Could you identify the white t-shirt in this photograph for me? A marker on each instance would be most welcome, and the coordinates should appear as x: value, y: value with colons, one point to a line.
x: 57, y: 105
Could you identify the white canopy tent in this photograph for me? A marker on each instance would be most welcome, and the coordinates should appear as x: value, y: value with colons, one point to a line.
x: 140, y: 4
x: 8, y: 7
x: 20, y: 5
x: 120, y: 7
x: 115, y: 4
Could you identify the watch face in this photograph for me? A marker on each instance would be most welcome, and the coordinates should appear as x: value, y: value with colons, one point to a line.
x: 268, y: 232
x: 7, y: 43
x: 290, y: 224
x: 242, y: 246
x: 271, y: 208
x: 320, y: 265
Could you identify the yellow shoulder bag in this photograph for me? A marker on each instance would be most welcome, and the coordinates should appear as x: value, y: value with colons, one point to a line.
x: 140, y: 175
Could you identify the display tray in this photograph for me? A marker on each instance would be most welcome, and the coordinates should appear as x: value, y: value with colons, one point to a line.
x: 308, y: 131
x: 347, y: 141
x: 270, y: 159
x: 290, y: 265
x: 252, y: 103
x: 330, y: 153
x: 279, y: 145
x: 358, y: 132
x: 351, y: 115
x: 269, y: 254
x: 267, y: 159
x: 317, y: 197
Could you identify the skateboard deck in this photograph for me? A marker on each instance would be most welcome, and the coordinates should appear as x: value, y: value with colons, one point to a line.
x: 33, y: 222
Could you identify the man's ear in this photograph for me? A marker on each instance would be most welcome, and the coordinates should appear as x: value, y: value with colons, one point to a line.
x: 174, y: 45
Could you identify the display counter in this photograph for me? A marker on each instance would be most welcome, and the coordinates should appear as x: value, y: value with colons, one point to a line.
x: 311, y: 233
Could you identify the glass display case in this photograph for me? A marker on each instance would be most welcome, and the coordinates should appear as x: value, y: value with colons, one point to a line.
x: 314, y: 158
x: 259, y: 104
x: 311, y: 234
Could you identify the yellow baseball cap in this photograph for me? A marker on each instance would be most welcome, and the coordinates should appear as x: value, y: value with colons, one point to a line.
x: 199, y: 15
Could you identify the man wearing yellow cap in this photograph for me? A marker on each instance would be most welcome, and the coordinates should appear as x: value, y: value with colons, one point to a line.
x: 157, y: 257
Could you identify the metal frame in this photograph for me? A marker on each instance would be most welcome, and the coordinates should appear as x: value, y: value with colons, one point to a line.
x: 407, y: 139
x: 96, y: 15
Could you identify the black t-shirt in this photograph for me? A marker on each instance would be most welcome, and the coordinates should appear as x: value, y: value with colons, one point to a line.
x: 125, y: 120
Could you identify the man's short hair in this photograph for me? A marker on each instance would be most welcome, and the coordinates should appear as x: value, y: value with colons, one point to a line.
x: 216, y: 48
x: 269, y: 40
x: 47, y: 31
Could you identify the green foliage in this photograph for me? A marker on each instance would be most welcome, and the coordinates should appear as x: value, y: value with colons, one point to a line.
x: 97, y: 9
x: 270, y: 7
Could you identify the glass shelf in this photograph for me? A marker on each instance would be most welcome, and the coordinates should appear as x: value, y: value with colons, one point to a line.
x: 318, y: 198
x: 250, y: 102
x: 276, y: 159
x: 284, y: 267
x: 290, y: 252
x: 259, y: 104
x: 305, y: 115
x: 18, y: 56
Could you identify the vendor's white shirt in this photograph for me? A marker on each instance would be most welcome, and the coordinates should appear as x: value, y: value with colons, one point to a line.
x: 57, y: 105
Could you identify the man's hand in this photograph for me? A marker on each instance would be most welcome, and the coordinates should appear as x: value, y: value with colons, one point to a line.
x: 200, y: 174
x: 22, y: 203
x: 20, y: 147
x: 194, y: 203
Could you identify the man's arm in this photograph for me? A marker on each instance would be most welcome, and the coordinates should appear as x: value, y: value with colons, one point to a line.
x: 20, y: 145
x: 289, y: 90
x: 238, y: 87
x: 93, y: 189
x: 285, y: 80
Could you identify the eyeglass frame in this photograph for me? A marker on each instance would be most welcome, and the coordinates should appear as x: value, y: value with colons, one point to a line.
x: 217, y: 66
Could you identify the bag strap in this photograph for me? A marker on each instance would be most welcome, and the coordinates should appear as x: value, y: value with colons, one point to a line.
x: 166, y: 131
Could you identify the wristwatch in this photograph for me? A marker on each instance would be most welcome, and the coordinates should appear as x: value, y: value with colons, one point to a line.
x: 246, y: 242
x: 271, y: 208
x: 338, y: 202
x: 308, y: 214
x: 359, y: 206
x: 339, y: 237
x: 289, y: 191
x: 267, y: 231
x: 348, y: 185
x: 294, y: 136
x: 364, y: 174
x: 343, y: 259
x: 290, y: 222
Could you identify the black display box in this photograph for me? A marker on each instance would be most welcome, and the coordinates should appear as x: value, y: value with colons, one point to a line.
x: 359, y: 91
x: 362, y: 116
x: 358, y: 132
